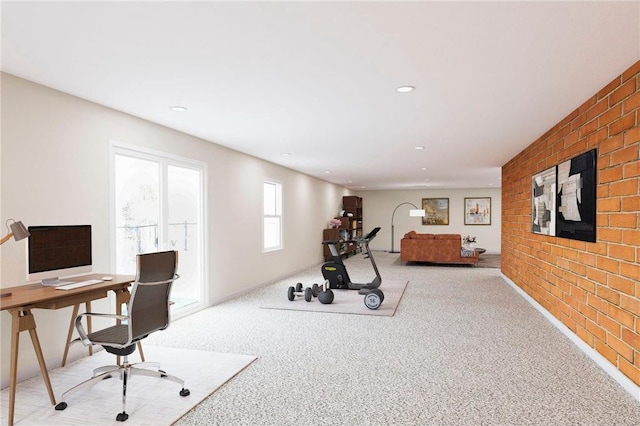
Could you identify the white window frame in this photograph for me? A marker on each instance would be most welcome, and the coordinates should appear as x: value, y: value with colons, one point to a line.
x: 276, y: 214
x: 164, y: 159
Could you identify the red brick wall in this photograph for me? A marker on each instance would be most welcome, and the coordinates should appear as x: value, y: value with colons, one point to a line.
x: 593, y: 288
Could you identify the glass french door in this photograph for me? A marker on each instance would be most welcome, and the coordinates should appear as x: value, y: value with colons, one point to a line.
x: 159, y: 205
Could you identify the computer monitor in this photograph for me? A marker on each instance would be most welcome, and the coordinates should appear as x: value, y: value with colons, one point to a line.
x: 58, y: 251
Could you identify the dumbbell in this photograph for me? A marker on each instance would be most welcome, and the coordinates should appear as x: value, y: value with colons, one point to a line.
x: 296, y: 291
x: 315, y: 289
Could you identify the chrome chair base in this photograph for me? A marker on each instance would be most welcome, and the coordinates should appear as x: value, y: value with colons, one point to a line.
x: 125, y: 371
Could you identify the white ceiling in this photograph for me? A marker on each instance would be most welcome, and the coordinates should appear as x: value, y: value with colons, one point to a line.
x: 317, y: 79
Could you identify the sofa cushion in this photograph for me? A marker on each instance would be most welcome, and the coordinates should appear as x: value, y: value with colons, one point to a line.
x: 448, y: 237
x: 413, y: 235
x: 422, y: 237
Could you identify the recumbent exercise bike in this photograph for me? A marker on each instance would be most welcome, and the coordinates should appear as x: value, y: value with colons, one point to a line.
x: 335, y: 272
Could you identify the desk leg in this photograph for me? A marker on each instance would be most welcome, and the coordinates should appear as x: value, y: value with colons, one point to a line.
x: 87, y: 308
x: 22, y: 321
x: 72, y: 325
x: 74, y: 314
x: 43, y: 365
x: 140, y: 351
x: 15, y: 341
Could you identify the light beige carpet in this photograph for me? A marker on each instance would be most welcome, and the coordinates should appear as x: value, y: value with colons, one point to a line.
x: 346, y: 301
x: 150, y: 401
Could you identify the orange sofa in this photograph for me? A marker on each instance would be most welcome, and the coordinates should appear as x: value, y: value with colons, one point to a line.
x: 434, y: 248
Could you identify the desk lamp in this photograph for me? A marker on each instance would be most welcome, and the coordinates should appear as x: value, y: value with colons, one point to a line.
x: 415, y: 212
x: 18, y: 231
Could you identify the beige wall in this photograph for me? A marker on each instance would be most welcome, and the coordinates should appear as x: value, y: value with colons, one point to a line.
x: 379, y: 205
x: 55, y: 170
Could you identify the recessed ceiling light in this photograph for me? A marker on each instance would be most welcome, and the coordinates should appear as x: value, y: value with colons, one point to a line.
x: 423, y: 168
x: 286, y: 154
x: 405, y: 89
x: 327, y: 172
x: 419, y: 148
x: 178, y: 108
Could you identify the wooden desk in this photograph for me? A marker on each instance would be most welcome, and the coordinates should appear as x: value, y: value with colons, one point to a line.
x: 34, y: 296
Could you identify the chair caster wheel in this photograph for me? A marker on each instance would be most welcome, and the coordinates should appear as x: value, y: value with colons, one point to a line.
x: 61, y: 406
x: 185, y: 392
x: 122, y: 417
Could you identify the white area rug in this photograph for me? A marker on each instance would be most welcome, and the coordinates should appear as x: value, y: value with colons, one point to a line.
x: 346, y: 301
x: 150, y: 401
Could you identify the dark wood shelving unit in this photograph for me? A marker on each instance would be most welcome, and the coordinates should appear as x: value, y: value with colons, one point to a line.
x: 341, y: 234
x: 352, y: 205
x: 350, y: 228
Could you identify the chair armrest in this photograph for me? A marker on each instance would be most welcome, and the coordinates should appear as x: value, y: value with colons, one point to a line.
x: 81, y: 331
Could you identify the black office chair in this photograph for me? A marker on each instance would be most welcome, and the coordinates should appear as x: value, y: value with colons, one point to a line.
x: 147, y: 312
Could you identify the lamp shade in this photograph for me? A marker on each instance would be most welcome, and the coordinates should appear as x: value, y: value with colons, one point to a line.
x: 416, y: 212
x: 16, y: 230
x: 19, y: 231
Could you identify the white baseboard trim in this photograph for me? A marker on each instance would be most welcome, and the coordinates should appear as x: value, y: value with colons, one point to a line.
x: 262, y: 284
x: 601, y: 361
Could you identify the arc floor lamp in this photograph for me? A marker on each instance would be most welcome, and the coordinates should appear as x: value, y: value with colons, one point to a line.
x: 415, y: 212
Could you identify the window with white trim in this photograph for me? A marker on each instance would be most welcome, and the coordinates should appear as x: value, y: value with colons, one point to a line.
x: 158, y: 203
x: 272, y: 225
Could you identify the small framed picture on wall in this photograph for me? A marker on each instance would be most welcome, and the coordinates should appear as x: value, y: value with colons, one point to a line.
x: 543, y: 202
x: 477, y: 211
x: 436, y: 211
x: 576, y: 197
